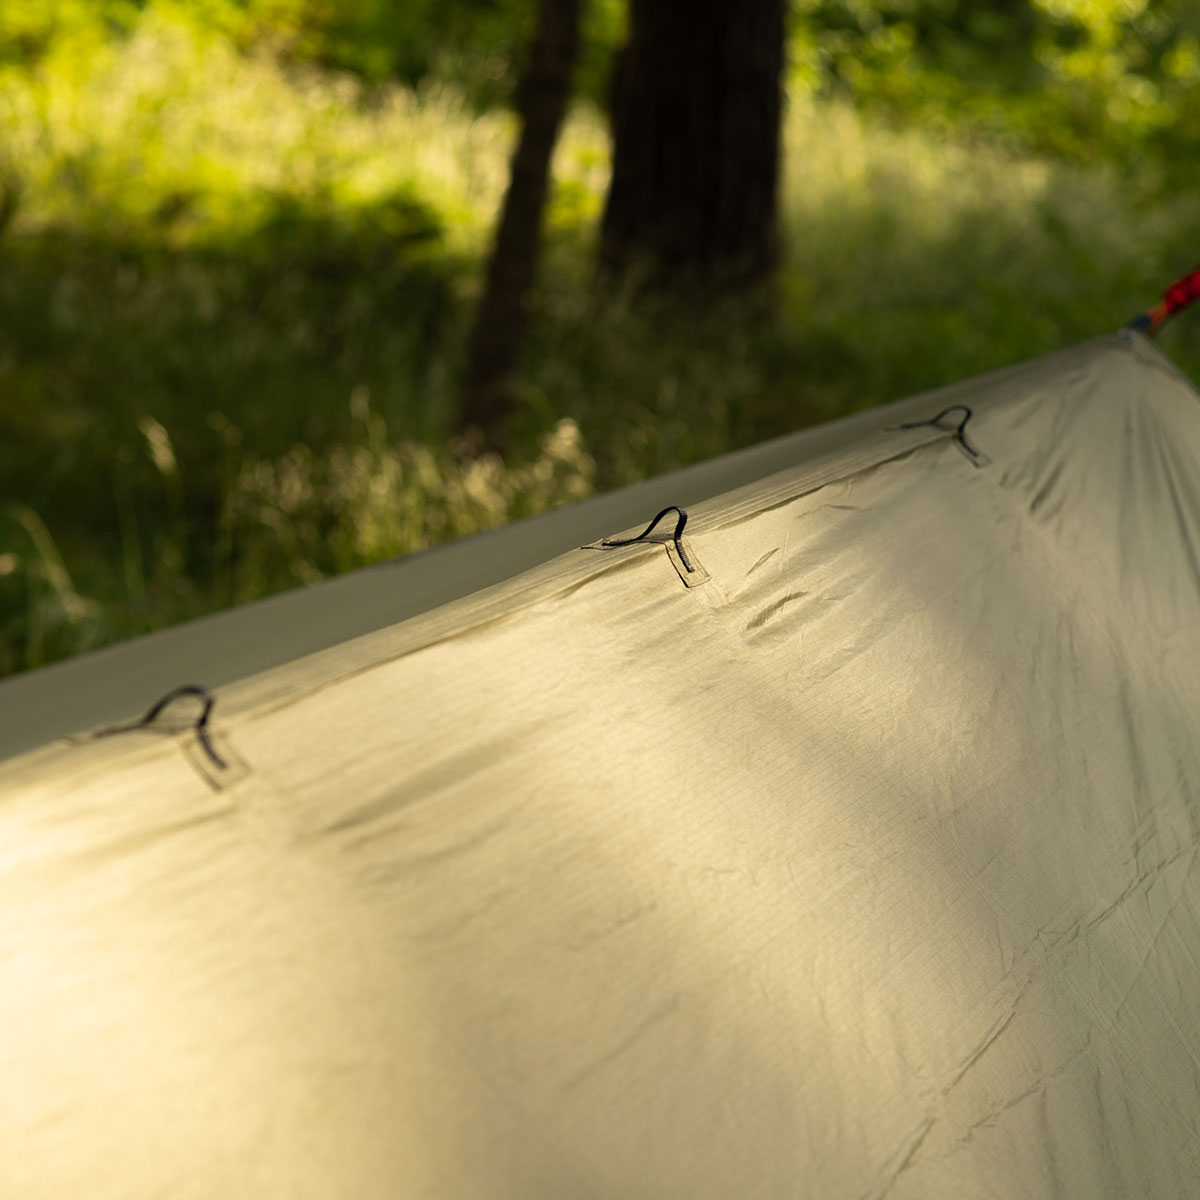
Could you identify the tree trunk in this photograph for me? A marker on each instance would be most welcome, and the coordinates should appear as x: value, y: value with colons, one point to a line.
x: 488, y: 393
x: 696, y: 107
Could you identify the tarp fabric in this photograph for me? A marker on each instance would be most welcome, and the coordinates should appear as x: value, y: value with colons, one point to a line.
x: 865, y: 868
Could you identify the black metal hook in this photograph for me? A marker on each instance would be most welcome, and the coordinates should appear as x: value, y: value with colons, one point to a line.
x: 960, y: 435
x: 678, y: 536
x: 200, y: 726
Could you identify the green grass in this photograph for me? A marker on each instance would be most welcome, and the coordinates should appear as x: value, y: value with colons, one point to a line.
x: 233, y: 300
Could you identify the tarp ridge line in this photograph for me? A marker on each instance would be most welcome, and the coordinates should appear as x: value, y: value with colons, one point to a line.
x: 782, y: 486
x: 686, y: 559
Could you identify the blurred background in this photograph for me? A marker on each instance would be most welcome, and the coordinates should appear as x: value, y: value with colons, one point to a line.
x: 288, y: 287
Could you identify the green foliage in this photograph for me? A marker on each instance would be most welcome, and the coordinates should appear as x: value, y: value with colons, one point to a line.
x: 42, y: 616
x: 1086, y: 80
x: 30, y: 30
x: 476, y: 45
x: 1089, y: 80
x: 307, y: 514
x: 234, y: 286
x: 911, y: 262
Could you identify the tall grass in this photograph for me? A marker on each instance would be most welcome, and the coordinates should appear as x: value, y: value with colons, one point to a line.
x: 233, y: 299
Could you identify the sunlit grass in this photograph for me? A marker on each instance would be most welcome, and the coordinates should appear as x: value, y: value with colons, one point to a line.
x: 234, y: 296
x: 174, y: 135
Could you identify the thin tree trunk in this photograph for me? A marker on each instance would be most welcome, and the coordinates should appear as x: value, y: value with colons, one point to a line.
x: 696, y: 113
x: 488, y: 395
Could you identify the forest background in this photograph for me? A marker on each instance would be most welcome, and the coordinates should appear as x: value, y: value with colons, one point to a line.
x: 241, y: 243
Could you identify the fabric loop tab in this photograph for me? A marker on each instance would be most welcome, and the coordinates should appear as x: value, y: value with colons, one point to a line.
x: 219, y: 768
x: 682, y: 556
x: 960, y: 436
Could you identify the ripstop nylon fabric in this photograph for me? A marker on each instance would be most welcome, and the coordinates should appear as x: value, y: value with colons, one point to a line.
x: 865, y: 869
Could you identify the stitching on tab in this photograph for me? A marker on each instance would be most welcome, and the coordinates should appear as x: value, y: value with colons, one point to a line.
x: 975, y: 457
x: 218, y: 768
x: 682, y: 557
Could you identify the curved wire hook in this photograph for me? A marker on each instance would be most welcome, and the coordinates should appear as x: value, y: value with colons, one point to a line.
x: 200, y: 726
x: 960, y: 435
x: 678, y: 535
